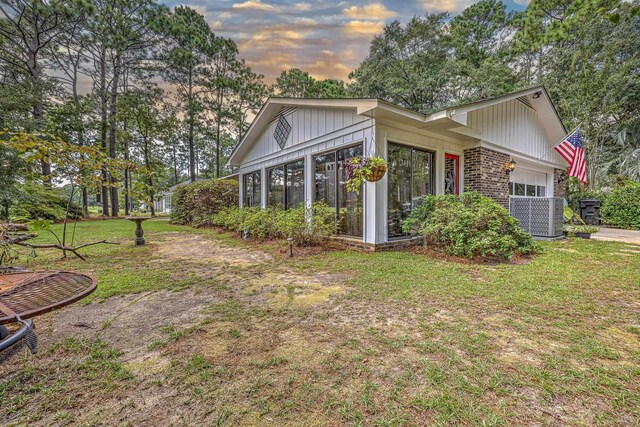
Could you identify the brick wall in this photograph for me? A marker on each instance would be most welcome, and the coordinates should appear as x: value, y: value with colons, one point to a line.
x: 560, y: 188
x: 485, y: 172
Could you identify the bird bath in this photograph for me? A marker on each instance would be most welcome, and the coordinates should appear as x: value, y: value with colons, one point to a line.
x: 139, y: 231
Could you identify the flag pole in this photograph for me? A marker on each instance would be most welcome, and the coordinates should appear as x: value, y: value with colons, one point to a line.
x: 557, y: 143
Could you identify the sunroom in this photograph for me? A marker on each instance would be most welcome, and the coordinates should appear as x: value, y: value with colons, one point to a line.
x: 295, y: 151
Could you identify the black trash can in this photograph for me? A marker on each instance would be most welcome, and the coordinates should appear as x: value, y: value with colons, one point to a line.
x: 590, y: 211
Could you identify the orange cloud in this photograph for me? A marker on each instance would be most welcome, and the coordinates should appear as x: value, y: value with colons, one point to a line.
x: 254, y: 4
x: 446, y: 5
x: 302, y: 7
x: 375, y: 11
x: 364, y: 27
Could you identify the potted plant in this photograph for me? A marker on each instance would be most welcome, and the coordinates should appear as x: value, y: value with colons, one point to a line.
x: 575, y: 226
x: 361, y: 169
x: 582, y: 231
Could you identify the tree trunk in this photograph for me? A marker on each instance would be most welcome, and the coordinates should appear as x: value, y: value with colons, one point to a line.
x: 127, y: 198
x: 84, y: 198
x: 115, y: 205
x: 147, y: 163
x: 38, y: 107
x: 103, y: 127
x: 127, y: 174
x: 218, y: 141
x: 175, y: 165
x: 85, y: 201
x: 192, y: 155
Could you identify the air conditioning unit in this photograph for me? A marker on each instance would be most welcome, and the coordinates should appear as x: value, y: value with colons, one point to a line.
x: 539, y: 216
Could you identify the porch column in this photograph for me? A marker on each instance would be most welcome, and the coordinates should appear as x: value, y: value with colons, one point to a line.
x: 309, y: 180
x: 264, y: 188
x: 240, y: 189
x: 375, y: 198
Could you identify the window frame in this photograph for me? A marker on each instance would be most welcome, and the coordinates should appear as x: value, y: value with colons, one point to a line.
x: 244, y: 187
x: 336, y: 190
x: 432, y: 177
x: 537, y: 188
x: 284, y: 181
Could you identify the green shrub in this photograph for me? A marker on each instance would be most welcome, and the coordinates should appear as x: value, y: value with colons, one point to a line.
x: 622, y: 206
x: 308, y: 227
x: 419, y: 215
x: 471, y: 225
x: 36, y: 201
x: 194, y: 204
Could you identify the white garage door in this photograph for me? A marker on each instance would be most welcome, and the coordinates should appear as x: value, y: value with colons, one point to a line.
x: 523, y: 182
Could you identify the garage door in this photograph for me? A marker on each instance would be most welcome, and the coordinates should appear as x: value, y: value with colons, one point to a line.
x: 523, y: 182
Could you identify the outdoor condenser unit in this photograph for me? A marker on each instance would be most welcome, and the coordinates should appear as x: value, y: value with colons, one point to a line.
x: 539, y: 216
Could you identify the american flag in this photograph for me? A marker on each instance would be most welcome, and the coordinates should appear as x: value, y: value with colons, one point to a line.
x: 572, y: 150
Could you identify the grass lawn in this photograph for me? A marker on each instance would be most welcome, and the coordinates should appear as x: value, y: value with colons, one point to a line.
x: 199, y: 328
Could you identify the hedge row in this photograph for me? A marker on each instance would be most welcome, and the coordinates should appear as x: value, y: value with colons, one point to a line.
x: 620, y: 205
x: 195, y: 204
x: 307, y: 226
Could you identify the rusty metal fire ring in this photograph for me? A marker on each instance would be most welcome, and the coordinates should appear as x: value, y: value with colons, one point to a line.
x: 30, y: 294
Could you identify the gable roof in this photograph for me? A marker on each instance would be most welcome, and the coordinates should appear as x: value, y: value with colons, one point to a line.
x: 451, y: 121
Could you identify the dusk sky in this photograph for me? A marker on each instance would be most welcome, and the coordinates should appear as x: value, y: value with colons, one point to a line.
x: 327, y: 39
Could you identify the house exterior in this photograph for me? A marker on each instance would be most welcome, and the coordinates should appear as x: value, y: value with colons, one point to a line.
x: 162, y: 202
x: 294, y: 154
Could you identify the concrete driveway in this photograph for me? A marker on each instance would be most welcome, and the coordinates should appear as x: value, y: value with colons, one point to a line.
x: 618, y: 235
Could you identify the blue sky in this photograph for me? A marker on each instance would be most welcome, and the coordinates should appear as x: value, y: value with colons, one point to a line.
x: 328, y: 39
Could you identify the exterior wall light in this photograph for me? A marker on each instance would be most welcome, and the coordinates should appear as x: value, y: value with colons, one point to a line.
x: 562, y: 177
x: 511, y: 166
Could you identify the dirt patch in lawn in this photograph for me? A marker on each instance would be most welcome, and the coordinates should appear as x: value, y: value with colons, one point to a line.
x: 282, y: 288
x: 196, y: 248
x: 131, y: 323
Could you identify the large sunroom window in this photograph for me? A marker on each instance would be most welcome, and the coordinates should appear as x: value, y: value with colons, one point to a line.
x: 286, y: 185
x: 331, y: 188
x: 251, y: 189
x: 410, y: 178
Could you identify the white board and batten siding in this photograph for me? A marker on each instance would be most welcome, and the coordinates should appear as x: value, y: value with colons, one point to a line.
x: 312, y: 130
x: 516, y: 127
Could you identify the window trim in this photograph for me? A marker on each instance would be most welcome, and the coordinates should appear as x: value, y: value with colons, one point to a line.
x: 432, y: 174
x: 335, y: 151
x: 284, y: 177
x: 244, y: 187
x: 432, y: 177
x: 512, y: 189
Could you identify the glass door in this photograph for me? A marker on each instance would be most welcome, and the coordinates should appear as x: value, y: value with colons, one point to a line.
x: 451, y: 174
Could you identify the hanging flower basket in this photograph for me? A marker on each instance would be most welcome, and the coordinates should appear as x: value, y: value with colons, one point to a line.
x: 360, y: 169
x: 377, y: 173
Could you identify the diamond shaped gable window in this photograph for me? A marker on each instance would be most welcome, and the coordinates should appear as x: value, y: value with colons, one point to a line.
x: 283, y: 129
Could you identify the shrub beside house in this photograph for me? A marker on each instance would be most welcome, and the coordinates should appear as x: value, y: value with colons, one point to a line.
x: 195, y: 204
